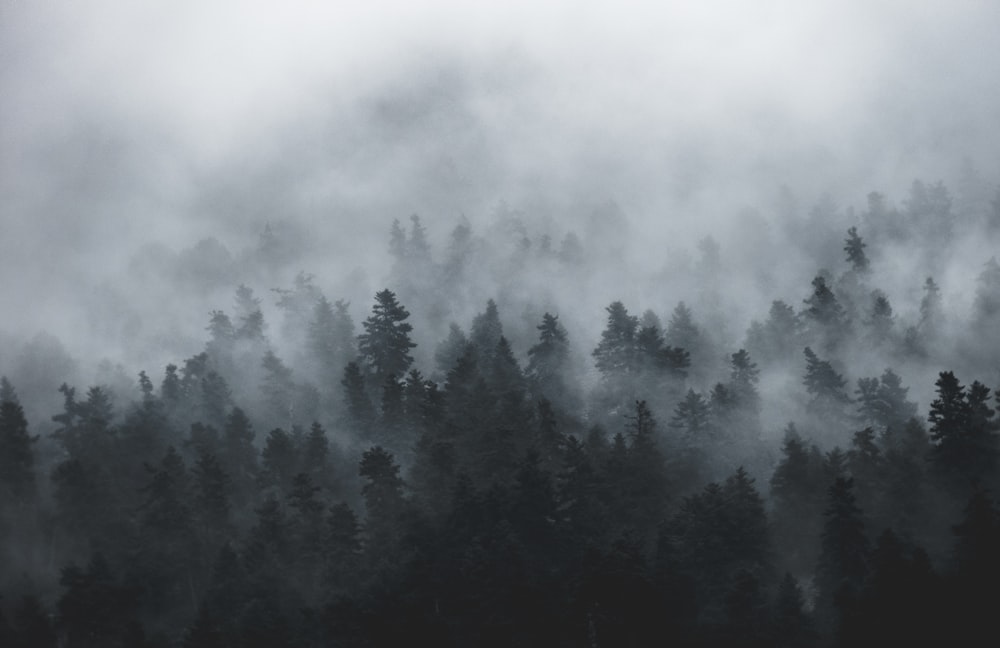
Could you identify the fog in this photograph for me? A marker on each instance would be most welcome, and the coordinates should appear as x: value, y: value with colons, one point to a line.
x: 131, y: 133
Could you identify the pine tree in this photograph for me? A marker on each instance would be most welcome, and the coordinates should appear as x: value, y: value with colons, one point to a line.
x: 854, y: 246
x: 360, y: 411
x: 486, y: 332
x: 385, y: 345
x: 615, y: 354
x: 965, y: 447
x: 548, y: 360
x: 843, y: 559
x: 825, y: 385
x: 384, y: 503
x: 17, y: 459
x: 825, y: 314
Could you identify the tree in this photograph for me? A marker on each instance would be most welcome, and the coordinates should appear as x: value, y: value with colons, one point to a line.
x: 615, y: 354
x: 548, y: 360
x: 965, y: 448
x: 743, y: 379
x: 931, y: 310
x: 360, y: 411
x: 248, y: 314
x: 855, y: 246
x: 17, y: 460
x: 843, y: 559
x: 825, y: 385
x: 880, y: 318
x: 797, y: 490
x: 826, y: 315
x: 384, y: 503
x: 682, y: 333
x: 775, y: 339
x: 486, y: 332
x: 385, y: 345
x: 882, y: 402
x: 278, y: 389
x: 330, y: 341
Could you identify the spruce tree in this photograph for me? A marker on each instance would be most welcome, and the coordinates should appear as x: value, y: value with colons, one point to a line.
x: 385, y: 345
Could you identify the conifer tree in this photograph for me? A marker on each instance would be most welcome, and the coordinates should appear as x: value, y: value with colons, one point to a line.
x: 385, y: 345
x: 17, y: 459
x: 855, y: 246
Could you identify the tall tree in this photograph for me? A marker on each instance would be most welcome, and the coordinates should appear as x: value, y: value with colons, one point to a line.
x: 855, y: 246
x: 965, y: 447
x: 385, y: 345
x: 615, y: 354
x: 17, y: 459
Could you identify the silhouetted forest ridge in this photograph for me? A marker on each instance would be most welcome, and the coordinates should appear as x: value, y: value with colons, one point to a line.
x: 326, y: 482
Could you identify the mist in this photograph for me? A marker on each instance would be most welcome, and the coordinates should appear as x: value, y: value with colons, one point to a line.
x: 155, y: 157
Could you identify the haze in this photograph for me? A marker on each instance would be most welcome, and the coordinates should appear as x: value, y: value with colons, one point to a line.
x: 130, y: 130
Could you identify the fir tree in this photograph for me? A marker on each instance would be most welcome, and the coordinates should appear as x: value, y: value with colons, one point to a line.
x: 385, y: 345
x: 854, y: 246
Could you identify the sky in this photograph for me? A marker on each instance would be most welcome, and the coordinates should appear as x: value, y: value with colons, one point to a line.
x: 123, y: 124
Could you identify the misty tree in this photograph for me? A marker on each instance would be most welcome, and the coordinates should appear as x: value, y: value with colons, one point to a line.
x: 743, y: 379
x: 239, y: 456
x: 883, y: 403
x: 931, y: 310
x: 17, y: 459
x: 330, y: 342
x: 825, y: 386
x: 844, y: 553
x: 485, y: 332
x: 248, y: 315
x: 451, y: 348
x: 797, y: 490
x: 360, y: 411
x: 384, y: 503
x: 615, y: 354
x: 222, y: 337
x: 548, y: 360
x: 774, y: 340
x: 212, y: 498
x: 965, y: 445
x: 297, y: 306
x: 385, y: 344
x: 278, y: 388
x: 880, y: 318
x: 986, y: 308
x: 828, y: 321
x: 683, y: 333
x: 855, y: 246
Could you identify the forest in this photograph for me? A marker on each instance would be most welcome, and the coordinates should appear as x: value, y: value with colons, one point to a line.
x: 476, y: 455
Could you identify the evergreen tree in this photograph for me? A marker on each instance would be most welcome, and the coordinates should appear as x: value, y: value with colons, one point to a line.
x: 743, y: 379
x: 827, y: 319
x: 880, y: 319
x: 965, y: 447
x: 486, y: 332
x: 330, y: 342
x: 385, y: 345
x: 360, y: 411
x: 451, y: 349
x: 384, y: 504
x: 616, y: 353
x: 825, y: 385
x: 17, y: 459
x: 773, y: 340
x: 855, y: 246
x: 843, y: 559
x: 931, y: 310
x: 797, y: 490
x: 548, y: 361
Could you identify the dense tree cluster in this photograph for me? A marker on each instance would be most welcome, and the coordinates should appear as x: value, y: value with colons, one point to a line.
x: 335, y: 492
